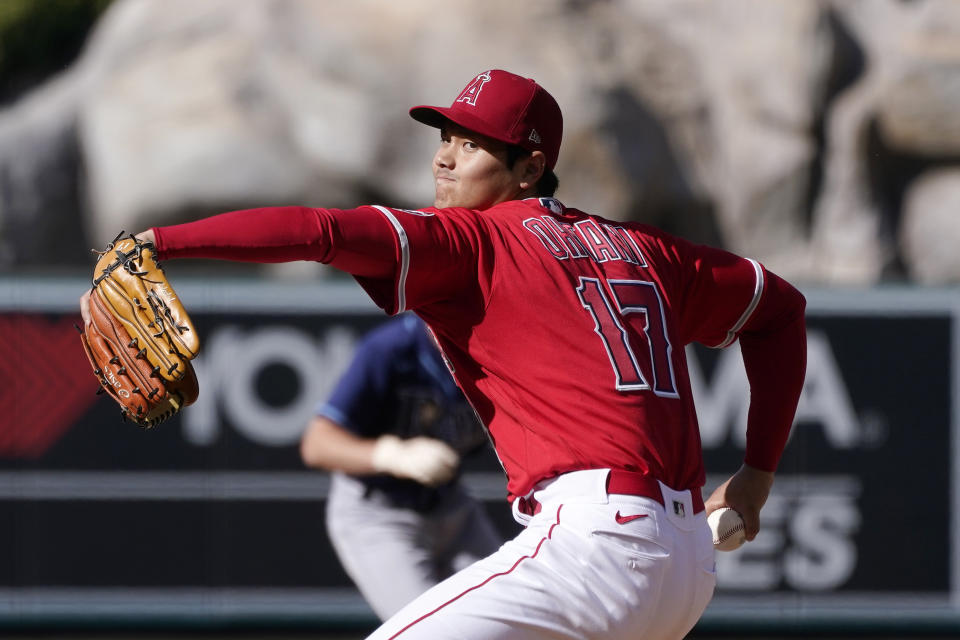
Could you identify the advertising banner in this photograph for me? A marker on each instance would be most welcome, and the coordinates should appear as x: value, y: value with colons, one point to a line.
x: 862, y: 518
x: 212, y: 515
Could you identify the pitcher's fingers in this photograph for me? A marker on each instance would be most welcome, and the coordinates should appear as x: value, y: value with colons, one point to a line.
x: 751, y: 523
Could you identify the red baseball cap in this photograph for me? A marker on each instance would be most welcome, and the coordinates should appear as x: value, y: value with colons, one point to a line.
x: 506, y: 107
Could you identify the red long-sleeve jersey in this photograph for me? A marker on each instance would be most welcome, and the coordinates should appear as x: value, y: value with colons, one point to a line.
x: 565, y: 330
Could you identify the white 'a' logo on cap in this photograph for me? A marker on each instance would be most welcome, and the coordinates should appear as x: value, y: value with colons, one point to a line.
x: 472, y: 90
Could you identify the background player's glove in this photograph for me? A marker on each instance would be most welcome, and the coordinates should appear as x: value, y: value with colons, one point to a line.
x: 426, y: 460
x: 140, y: 339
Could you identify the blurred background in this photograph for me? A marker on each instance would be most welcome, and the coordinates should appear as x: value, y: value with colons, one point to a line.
x: 821, y: 137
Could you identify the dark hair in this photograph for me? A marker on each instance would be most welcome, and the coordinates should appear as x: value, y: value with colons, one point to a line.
x: 548, y: 182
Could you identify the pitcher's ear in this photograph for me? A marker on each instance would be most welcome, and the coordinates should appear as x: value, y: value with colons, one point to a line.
x: 534, y: 167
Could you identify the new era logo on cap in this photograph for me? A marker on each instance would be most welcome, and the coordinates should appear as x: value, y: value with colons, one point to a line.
x: 506, y: 107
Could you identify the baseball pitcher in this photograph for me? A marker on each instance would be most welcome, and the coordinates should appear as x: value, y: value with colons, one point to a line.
x: 566, y: 331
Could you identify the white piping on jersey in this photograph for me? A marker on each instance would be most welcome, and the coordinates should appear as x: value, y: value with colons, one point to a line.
x: 757, y: 293
x: 404, y: 258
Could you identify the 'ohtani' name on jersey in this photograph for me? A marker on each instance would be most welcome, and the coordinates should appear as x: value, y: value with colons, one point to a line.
x: 585, y: 239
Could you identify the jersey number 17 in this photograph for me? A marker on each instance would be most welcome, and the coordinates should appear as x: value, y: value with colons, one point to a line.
x: 628, y: 316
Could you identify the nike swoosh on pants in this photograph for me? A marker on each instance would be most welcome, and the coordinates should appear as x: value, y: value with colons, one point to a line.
x: 625, y: 519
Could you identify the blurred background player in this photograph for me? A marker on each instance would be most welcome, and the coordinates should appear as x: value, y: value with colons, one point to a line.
x: 393, y: 433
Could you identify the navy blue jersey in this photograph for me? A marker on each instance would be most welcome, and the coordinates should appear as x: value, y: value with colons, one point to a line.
x: 398, y: 383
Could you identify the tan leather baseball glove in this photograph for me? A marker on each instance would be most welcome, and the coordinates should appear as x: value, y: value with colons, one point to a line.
x: 140, y: 339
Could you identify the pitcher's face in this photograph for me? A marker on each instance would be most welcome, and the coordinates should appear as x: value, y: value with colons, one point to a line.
x: 470, y: 170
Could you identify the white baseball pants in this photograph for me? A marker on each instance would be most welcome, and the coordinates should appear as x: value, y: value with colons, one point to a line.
x: 589, y: 565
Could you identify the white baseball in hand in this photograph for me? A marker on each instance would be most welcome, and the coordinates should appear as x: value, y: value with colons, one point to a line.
x: 727, y: 528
